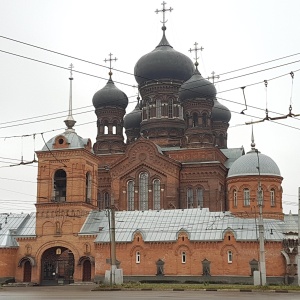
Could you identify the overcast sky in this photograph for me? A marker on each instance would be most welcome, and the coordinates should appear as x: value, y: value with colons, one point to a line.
x: 234, y: 34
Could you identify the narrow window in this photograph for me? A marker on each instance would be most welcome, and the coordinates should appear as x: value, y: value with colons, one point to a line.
x: 156, y: 194
x: 262, y: 197
x: 137, y: 257
x: 158, y: 108
x: 189, y: 195
x: 106, y: 200
x: 114, y: 129
x: 88, y: 187
x: 235, y: 203
x: 60, y: 186
x: 195, y: 119
x: 272, y: 196
x: 130, y: 194
x: 170, y: 108
x: 204, y: 120
x: 246, y: 197
x: 143, y: 191
x: 200, y: 198
x: 183, y: 257
x: 105, y: 127
x: 229, y: 256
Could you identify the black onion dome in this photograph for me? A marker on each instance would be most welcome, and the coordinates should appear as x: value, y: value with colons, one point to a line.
x: 110, y: 95
x: 197, y: 87
x: 220, y: 112
x: 163, y: 63
x: 134, y: 118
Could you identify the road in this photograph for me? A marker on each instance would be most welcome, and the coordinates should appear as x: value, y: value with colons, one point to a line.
x: 85, y: 293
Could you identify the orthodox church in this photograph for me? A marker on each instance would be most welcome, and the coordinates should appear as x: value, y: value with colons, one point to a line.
x: 185, y: 206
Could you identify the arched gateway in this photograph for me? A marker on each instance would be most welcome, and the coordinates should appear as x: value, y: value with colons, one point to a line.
x: 57, y: 266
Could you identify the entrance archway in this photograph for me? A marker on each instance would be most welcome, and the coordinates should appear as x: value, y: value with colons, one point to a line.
x: 57, y: 266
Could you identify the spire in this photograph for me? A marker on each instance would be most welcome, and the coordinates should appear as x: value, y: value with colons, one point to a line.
x: 252, y: 140
x: 164, y: 41
x: 70, y: 122
x: 110, y: 60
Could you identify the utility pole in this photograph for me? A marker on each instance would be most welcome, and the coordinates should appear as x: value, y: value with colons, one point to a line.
x: 298, y: 260
x: 262, y: 260
x: 113, y: 264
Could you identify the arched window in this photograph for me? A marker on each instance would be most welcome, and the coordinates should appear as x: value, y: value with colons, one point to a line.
x: 246, y: 197
x: 170, y: 108
x: 221, y: 140
x: 114, y: 129
x: 235, y: 203
x: 204, y: 120
x: 262, y: 197
x: 130, y: 194
x: 189, y: 196
x: 143, y: 191
x: 138, y: 257
x: 106, y: 200
x: 105, y: 127
x: 229, y: 256
x: 88, y: 187
x: 195, y: 119
x: 183, y: 257
x: 60, y: 186
x: 272, y: 197
x: 158, y: 108
x: 156, y: 194
x: 200, y: 198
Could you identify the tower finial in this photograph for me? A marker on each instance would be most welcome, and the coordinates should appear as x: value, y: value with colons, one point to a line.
x: 110, y: 60
x: 213, y: 76
x: 196, y: 51
x: 70, y: 122
x: 252, y: 140
x: 163, y: 10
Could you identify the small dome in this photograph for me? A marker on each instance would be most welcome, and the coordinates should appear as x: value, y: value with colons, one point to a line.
x: 69, y: 139
x: 163, y: 63
x: 197, y: 87
x: 247, y: 165
x: 110, y: 95
x: 220, y: 112
x: 134, y: 118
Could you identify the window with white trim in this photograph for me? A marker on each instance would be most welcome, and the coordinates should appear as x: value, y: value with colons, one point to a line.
x: 183, y: 257
x: 130, y: 194
x: 272, y: 197
x: 246, y: 197
x: 229, y: 256
x: 138, y: 257
x: 143, y: 191
x: 235, y: 202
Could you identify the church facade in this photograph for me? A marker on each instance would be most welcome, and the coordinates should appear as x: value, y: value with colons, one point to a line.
x: 185, y: 204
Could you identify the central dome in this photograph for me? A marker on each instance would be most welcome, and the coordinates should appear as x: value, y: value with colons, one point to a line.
x: 163, y: 63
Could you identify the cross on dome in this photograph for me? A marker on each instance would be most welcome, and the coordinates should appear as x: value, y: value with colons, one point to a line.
x: 196, y: 52
x: 163, y: 10
x: 110, y: 59
x: 213, y: 76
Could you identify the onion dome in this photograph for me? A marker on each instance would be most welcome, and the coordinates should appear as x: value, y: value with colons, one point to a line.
x: 197, y: 87
x: 110, y: 95
x: 220, y: 112
x: 254, y: 163
x: 134, y: 118
x: 163, y: 63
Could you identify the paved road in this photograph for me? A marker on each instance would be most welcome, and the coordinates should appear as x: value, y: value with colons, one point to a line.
x: 85, y: 293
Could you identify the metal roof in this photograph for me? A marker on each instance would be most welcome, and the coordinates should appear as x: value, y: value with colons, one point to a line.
x: 232, y: 155
x: 14, y: 225
x: 165, y: 225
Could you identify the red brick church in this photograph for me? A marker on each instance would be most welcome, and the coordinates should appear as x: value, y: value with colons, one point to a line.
x: 186, y: 206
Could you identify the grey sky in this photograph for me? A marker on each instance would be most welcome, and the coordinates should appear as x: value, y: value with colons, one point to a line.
x: 234, y: 34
